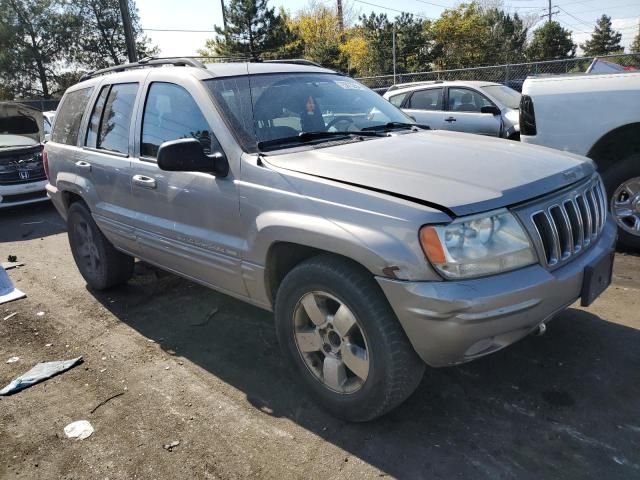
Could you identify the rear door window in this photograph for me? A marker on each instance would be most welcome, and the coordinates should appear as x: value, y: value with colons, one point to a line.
x: 466, y: 100
x: 429, y: 99
x: 113, y: 134
x: 96, y: 115
x: 171, y: 113
x: 67, y: 124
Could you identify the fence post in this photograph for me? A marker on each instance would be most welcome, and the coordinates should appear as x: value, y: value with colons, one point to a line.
x: 506, y: 74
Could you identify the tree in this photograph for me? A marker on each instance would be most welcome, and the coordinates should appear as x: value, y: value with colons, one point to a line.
x: 460, y: 37
x: 377, y: 32
x: 252, y: 30
x: 317, y: 32
x: 506, y: 37
x: 101, y: 41
x: 604, y: 40
x: 549, y: 42
x: 635, y: 46
x: 35, y: 37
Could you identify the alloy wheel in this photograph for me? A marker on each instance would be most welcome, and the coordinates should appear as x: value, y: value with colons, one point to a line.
x: 625, y: 206
x: 331, y: 342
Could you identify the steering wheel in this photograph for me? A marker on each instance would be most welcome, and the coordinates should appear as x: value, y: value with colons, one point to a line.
x: 341, y: 118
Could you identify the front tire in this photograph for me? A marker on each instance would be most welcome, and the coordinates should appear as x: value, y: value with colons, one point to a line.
x: 101, y: 265
x: 339, y: 334
x: 623, y: 187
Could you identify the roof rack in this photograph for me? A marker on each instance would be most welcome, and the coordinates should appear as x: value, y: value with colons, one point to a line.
x: 145, y: 62
x: 294, y: 61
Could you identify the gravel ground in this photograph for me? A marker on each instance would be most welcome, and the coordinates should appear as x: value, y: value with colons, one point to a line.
x: 564, y: 405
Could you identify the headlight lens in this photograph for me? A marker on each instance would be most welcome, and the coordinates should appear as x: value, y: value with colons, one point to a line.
x: 486, y: 244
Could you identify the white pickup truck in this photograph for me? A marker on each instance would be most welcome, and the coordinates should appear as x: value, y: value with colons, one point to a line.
x: 596, y: 115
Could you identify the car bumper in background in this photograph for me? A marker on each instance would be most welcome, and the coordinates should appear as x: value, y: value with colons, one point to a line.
x: 22, y: 194
x: 452, y: 322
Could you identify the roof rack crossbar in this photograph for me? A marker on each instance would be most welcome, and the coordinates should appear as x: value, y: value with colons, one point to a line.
x: 293, y: 61
x: 145, y: 62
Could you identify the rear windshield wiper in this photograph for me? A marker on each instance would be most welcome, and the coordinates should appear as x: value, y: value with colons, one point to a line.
x: 389, y: 125
x: 304, y: 137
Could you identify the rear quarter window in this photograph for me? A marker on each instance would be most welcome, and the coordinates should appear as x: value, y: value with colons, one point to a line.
x: 67, y: 124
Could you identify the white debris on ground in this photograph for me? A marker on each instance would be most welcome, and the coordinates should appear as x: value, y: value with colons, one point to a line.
x: 79, y: 430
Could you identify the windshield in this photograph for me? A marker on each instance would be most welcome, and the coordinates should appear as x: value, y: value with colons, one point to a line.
x: 505, y: 95
x: 270, y: 107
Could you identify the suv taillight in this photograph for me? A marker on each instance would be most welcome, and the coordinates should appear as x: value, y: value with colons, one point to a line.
x: 527, y: 116
x: 45, y: 163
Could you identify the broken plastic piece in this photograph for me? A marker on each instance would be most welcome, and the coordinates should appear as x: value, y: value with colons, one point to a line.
x: 40, y: 372
x: 79, y: 430
x: 7, y: 291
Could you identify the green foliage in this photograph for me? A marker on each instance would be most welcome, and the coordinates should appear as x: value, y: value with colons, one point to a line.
x: 45, y: 44
x: 604, y: 40
x: 549, y: 42
x: 252, y: 30
x: 101, y: 40
x: 506, y: 37
x: 635, y: 46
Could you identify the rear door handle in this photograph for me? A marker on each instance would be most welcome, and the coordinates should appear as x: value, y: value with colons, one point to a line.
x: 450, y: 119
x: 82, y: 165
x: 144, y: 181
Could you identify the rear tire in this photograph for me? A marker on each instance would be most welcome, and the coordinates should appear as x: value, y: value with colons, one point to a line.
x: 101, y: 265
x: 350, y: 353
x: 624, y: 174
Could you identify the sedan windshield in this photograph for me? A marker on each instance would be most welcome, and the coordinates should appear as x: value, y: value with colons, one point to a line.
x: 505, y: 95
x: 268, y: 108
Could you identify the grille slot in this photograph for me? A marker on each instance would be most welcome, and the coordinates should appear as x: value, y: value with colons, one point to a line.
x: 571, y: 223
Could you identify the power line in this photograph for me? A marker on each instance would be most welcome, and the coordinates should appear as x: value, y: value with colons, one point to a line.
x: 392, y: 9
x: 574, y: 17
x: 183, y: 30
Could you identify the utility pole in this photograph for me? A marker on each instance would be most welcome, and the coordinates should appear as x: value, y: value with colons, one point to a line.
x: 394, y: 52
x: 128, y: 31
x: 224, y: 16
x: 550, y: 14
x: 340, y: 17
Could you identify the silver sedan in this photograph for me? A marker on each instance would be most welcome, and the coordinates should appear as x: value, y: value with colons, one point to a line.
x: 484, y: 108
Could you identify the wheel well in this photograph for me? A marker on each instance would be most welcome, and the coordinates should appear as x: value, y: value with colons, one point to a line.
x: 69, y: 198
x: 284, y: 257
x: 616, y: 145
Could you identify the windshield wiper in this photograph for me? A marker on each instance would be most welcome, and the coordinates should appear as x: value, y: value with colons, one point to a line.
x: 304, y: 137
x: 389, y: 125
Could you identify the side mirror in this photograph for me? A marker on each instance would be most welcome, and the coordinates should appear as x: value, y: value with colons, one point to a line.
x: 492, y: 109
x: 187, y: 155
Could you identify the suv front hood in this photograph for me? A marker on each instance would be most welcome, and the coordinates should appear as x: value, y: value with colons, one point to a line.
x: 460, y: 173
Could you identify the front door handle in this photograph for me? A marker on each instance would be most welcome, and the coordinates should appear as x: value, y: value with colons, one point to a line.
x: 83, y: 165
x: 144, y: 181
x: 450, y: 119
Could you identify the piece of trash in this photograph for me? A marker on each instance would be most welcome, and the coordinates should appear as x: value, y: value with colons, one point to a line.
x: 12, y: 258
x: 10, y: 265
x: 104, y: 402
x: 40, y: 372
x: 207, y: 319
x: 166, y: 368
x: 8, y: 292
x: 171, y: 446
x: 13, y: 360
x: 11, y: 315
x: 48, y: 344
x: 79, y: 430
x: 40, y: 314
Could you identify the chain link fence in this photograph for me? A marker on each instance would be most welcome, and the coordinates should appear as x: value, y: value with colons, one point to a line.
x: 512, y: 75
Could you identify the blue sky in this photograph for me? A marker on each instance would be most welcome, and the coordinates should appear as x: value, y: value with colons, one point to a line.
x: 578, y: 16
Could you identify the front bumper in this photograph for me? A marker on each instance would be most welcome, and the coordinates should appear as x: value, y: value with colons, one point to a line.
x: 454, y: 322
x: 22, y: 194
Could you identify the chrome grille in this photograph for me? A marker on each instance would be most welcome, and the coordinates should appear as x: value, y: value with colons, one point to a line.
x: 568, y: 223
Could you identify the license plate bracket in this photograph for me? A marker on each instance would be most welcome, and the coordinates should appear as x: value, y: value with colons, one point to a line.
x: 597, y: 278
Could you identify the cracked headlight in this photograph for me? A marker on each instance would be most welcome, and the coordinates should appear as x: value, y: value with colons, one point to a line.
x: 478, y: 245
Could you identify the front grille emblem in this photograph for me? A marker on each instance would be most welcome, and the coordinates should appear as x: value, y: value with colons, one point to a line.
x: 24, y: 174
